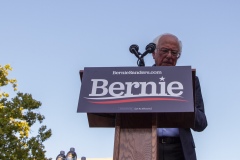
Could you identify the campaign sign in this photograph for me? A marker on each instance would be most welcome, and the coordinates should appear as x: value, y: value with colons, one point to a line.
x: 160, y: 89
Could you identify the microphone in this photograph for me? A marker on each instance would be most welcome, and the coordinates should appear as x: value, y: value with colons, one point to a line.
x: 149, y: 49
x: 134, y: 50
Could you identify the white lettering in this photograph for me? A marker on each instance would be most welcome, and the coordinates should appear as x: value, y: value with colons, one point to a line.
x: 117, y: 89
x: 129, y: 87
x: 170, y: 88
x: 113, y: 87
x: 95, y: 87
x: 144, y: 88
x: 162, y: 89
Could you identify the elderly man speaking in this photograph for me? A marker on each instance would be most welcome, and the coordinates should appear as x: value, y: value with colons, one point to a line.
x: 177, y: 143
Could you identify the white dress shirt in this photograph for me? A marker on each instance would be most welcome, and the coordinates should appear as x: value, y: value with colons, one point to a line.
x: 168, y: 132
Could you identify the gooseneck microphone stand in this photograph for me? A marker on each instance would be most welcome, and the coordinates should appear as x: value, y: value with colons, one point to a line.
x: 134, y: 50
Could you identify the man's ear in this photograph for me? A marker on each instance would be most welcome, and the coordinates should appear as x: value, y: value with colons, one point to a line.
x: 179, y: 56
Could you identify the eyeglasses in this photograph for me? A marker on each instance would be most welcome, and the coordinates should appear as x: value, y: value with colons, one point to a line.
x: 165, y: 51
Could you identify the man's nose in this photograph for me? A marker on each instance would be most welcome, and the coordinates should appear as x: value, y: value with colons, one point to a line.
x: 169, y: 54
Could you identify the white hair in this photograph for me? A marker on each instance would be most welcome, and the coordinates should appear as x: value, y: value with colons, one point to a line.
x: 168, y: 34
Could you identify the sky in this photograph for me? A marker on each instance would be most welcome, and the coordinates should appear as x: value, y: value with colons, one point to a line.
x: 48, y: 42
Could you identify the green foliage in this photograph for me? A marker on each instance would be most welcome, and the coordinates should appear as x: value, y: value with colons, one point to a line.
x: 17, y: 116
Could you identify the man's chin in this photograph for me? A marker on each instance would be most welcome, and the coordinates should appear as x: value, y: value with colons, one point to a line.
x: 167, y: 64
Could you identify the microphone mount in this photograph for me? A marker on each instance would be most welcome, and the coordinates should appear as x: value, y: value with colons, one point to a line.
x: 134, y: 50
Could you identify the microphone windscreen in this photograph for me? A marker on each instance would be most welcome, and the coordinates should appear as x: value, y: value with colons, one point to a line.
x: 132, y: 47
x: 151, y: 47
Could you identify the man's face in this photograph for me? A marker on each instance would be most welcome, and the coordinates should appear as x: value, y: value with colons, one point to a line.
x: 166, y: 51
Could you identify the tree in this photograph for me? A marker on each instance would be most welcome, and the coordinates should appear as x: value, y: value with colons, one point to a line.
x: 17, y: 116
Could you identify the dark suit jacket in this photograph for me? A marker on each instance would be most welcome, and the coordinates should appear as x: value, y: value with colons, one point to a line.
x: 200, y: 124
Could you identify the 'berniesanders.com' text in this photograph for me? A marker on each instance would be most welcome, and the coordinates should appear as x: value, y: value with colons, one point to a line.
x: 136, y: 72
